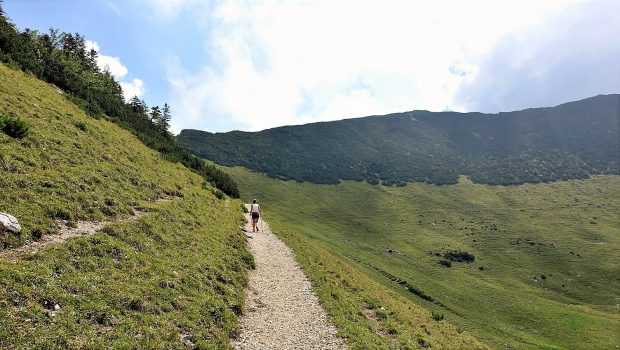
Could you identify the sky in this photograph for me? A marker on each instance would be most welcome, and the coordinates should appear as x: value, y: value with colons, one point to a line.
x: 252, y: 65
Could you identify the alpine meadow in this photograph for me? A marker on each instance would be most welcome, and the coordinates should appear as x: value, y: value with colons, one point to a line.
x: 543, y: 273
x: 307, y: 175
x: 528, y: 264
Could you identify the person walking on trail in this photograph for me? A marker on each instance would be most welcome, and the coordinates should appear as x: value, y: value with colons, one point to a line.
x: 255, y: 213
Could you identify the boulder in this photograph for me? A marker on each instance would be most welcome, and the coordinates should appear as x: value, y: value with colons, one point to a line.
x: 9, y: 223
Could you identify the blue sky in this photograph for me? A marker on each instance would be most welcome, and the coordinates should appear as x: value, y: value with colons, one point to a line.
x: 250, y: 65
x: 123, y: 29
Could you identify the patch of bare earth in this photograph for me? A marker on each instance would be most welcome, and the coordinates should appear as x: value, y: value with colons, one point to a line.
x: 281, y: 310
x: 83, y: 228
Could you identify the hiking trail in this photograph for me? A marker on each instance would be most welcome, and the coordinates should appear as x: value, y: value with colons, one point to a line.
x: 281, y: 311
x: 82, y: 228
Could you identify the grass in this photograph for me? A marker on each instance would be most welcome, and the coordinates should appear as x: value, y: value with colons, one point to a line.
x: 72, y: 167
x: 368, y: 315
x: 172, y: 279
x: 396, y: 236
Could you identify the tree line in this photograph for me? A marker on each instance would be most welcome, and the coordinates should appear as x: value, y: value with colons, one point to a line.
x: 63, y: 59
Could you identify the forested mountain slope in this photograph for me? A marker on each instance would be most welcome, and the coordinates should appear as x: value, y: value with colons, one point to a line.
x: 570, y: 141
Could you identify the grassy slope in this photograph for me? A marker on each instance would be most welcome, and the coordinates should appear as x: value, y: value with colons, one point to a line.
x: 177, y: 272
x: 366, y: 313
x: 516, y: 233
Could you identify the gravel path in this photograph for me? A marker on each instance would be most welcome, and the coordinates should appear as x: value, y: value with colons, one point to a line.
x: 281, y: 310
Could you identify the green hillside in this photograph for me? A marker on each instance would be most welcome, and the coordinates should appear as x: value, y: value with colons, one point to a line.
x: 64, y: 60
x: 570, y: 141
x: 545, y: 274
x: 172, y: 278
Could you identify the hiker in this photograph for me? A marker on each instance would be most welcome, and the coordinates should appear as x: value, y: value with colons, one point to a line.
x: 255, y: 213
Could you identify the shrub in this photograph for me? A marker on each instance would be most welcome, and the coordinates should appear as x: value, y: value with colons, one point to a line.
x: 459, y: 256
x: 36, y: 233
x: 14, y: 126
x: 445, y: 262
x: 436, y: 316
x: 219, y: 194
x: 373, y: 181
x: 423, y: 343
x: 81, y: 125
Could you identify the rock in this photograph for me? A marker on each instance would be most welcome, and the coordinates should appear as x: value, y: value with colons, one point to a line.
x: 9, y: 223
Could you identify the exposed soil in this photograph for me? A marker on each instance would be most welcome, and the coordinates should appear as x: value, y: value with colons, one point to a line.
x: 83, y: 228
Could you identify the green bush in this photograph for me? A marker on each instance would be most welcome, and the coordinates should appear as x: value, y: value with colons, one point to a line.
x: 14, y: 126
x: 219, y: 194
x: 459, y: 256
x: 81, y: 125
x: 436, y: 316
x: 445, y: 262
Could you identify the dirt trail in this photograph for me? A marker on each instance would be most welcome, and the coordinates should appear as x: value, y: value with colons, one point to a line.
x: 83, y: 228
x: 281, y: 310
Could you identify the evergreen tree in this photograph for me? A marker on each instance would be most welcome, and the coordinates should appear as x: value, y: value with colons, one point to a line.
x: 166, y: 117
x: 156, y: 115
x: 92, y: 57
x: 136, y: 105
x: 145, y: 108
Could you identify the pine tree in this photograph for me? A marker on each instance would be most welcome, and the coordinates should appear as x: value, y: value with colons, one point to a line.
x: 136, y: 104
x: 92, y: 57
x: 166, y: 117
x: 145, y: 108
x: 156, y: 115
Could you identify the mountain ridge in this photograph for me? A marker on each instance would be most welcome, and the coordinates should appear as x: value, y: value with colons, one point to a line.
x: 413, y: 111
x: 529, y: 146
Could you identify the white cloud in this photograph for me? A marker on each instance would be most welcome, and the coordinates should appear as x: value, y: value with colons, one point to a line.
x: 118, y: 70
x: 273, y: 63
x: 134, y: 88
x: 113, y: 64
x: 568, y: 57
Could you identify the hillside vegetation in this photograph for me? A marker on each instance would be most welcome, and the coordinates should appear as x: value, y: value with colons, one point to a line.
x: 570, y: 141
x: 366, y: 313
x: 170, y: 279
x: 533, y: 266
x: 62, y: 59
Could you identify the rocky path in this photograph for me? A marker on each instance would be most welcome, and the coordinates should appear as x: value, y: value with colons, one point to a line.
x: 281, y: 310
